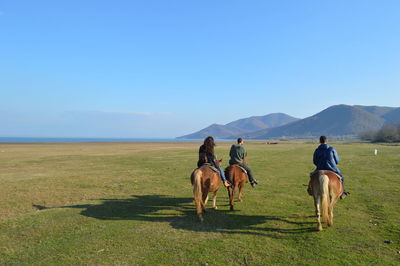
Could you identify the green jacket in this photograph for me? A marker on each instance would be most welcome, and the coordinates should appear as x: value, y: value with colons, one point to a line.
x: 237, y: 153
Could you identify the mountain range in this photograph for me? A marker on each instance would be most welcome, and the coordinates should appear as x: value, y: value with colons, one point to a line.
x: 242, y: 126
x: 338, y: 121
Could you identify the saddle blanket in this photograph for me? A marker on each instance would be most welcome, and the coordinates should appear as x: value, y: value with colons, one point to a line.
x: 244, y: 170
x: 211, y: 166
x: 338, y: 176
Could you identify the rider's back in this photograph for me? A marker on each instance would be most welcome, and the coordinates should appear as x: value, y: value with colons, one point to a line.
x: 326, y: 158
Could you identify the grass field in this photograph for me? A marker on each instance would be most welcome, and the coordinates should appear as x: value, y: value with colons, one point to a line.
x: 132, y: 204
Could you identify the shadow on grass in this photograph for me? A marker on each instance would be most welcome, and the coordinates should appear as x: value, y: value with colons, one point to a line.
x: 180, y: 214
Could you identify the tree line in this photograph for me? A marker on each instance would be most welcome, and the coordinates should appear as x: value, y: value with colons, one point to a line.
x: 388, y: 133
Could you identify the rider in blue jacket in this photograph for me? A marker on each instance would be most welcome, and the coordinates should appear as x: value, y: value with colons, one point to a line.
x: 326, y: 158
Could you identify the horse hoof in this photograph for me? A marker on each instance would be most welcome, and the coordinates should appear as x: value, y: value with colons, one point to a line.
x: 319, y: 228
x: 215, y: 208
x: 231, y: 208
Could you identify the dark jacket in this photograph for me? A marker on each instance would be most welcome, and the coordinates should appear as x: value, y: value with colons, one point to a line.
x: 326, y: 158
x: 205, y: 157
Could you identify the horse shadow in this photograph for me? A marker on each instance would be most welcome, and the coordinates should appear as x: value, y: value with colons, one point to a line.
x: 180, y: 213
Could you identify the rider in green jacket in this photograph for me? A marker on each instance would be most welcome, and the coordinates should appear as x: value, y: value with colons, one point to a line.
x: 238, y: 154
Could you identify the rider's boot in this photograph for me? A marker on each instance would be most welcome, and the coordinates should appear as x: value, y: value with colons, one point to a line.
x: 227, y: 184
x: 253, y: 182
x: 344, y: 194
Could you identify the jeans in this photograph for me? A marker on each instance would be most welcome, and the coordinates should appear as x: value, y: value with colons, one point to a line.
x: 341, y: 175
x: 221, y: 172
x: 342, y: 182
x: 249, y: 173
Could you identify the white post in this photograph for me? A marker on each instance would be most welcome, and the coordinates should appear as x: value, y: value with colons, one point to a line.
x: 376, y: 152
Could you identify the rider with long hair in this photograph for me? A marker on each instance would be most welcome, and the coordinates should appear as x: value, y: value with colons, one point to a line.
x: 206, y: 155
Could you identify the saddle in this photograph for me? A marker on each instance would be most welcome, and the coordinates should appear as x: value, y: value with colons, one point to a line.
x: 210, y: 166
x: 238, y: 165
x: 325, y: 171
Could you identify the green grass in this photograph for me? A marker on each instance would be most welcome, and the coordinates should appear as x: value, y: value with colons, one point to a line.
x: 132, y: 203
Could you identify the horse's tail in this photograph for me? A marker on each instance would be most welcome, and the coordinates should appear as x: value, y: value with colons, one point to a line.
x: 229, y: 173
x: 324, y: 189
x: 197, y: 192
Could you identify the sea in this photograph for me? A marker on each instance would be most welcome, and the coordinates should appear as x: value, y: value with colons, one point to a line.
x: 78, y: 140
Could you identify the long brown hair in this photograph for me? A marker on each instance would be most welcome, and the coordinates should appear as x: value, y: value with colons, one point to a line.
x: 209, y: 144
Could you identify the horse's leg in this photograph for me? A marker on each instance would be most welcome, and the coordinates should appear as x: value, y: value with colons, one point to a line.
x: 235, y: 188
x: 215, y: 200
x: 200, y: 214
x: 330, y: 220
x: 230, y: 195
x: 317, y: 204
x: 330, y: 210
x: 240, y: 192
x: 334, y: 199
x: 199, y: 209
x: 204, y: 199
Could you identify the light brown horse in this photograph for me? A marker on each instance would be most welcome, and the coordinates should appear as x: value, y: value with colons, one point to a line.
x: 327, y: 189
x: 205, y: 180
x: 238, y: 177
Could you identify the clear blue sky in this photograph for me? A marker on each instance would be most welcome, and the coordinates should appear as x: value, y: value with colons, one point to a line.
x: 156, y: 68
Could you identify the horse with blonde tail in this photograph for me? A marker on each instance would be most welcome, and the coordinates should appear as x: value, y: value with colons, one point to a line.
x: 204, y: 180
x: 326, y: 188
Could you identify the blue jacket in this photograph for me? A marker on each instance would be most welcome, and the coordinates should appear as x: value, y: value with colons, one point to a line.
x: 326, y: 158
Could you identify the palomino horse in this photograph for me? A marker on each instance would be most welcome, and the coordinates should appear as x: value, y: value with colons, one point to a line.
x: 204, y: 180
x: 238, y: 177
x: 327, y: 189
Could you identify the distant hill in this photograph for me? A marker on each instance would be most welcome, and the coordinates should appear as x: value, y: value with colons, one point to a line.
x: 260, y: 122
x: 242, y: 126
x: 338, y: 120
x: 392, y: 117
x: 215, y: 130
x: 376, y: 110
